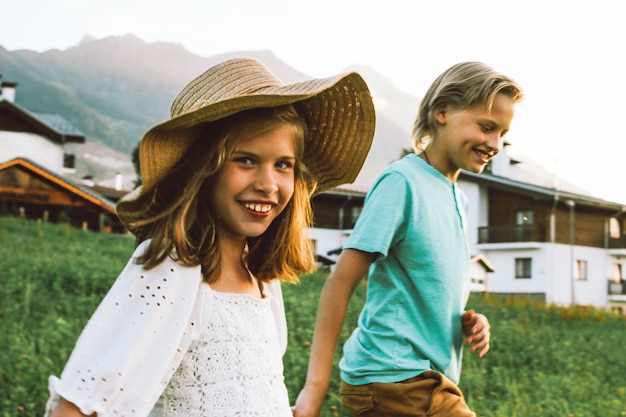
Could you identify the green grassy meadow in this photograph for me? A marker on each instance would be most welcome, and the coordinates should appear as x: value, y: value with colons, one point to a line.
x: 545, y: 361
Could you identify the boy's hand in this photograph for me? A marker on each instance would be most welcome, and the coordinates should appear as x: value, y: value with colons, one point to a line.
x: 478, y: 332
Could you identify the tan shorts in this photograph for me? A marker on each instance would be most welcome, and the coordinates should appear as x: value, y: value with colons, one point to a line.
x: 429, y: 394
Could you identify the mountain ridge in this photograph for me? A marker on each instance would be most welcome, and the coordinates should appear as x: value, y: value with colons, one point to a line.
x: 114, y: 89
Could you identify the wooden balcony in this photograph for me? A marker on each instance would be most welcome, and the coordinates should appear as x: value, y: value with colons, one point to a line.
x: 618, y: 243
x: 508, y: 234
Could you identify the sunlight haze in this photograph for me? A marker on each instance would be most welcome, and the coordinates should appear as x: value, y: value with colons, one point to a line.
x: 567, y: 55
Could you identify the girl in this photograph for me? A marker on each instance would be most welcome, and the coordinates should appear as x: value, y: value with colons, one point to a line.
x: 195, y: 325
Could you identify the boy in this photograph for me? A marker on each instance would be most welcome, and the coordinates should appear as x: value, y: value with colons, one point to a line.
x: 404, y: 358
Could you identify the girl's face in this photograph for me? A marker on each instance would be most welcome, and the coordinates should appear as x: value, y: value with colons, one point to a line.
x: 467, y: 139
x: 256, y: 184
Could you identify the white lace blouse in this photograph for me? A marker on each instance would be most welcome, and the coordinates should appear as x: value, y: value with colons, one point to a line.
x: 163, y: 343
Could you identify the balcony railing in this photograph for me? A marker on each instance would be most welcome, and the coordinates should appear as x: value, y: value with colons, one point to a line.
x: 617, y: 287
x: 617, y: 243
x: 506, y: 234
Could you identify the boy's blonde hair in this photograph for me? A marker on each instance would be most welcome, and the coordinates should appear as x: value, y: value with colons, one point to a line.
x: 182, y: 218
x: 462, y: 86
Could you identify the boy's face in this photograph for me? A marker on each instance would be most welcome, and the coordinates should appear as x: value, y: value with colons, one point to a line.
x: 467, y: 139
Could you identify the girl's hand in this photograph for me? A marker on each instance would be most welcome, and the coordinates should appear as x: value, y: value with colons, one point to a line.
x: 478, y: 332
x: 305, y: 406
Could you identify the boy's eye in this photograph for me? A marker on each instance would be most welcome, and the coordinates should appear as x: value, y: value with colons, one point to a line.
x: 486, y: 128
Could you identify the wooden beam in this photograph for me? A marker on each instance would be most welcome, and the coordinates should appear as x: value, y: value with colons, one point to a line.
x: 43, y: 197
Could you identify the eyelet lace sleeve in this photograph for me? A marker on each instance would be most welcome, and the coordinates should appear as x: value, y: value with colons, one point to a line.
x: 134, y: 341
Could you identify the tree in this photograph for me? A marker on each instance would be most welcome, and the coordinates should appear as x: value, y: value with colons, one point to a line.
x: 135, y: 159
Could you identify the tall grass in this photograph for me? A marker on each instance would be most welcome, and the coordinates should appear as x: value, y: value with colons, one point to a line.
x: 545, y: 361
x: 53, y: 279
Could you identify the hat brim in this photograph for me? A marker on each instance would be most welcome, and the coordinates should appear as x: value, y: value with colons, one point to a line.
x: 339, y: 111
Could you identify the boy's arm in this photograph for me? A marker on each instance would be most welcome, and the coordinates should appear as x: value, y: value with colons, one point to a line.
x: 351, y: 267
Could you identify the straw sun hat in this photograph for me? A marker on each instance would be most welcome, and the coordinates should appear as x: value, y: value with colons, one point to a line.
x: 338, y: 110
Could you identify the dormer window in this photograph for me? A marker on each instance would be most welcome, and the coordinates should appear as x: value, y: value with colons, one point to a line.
x: 69, y: 163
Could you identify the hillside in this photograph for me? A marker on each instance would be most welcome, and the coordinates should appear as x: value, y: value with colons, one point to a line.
x: 114, y: 89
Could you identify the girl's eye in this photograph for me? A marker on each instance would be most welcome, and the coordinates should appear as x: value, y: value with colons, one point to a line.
x: 284, y: 165
x: 244, y: 160
x: 486, y: 128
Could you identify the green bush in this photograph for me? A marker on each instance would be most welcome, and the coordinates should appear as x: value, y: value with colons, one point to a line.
x: 545, y: 361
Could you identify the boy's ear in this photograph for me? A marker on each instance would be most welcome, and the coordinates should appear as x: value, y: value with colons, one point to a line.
x: 441, y: 114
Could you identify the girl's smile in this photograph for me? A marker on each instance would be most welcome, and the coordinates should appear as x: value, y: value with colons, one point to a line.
x: 258, y: 209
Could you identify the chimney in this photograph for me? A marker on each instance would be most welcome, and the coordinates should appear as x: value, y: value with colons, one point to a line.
x: 7, y: 91
x: 88, y: 181
x: 118, y: 181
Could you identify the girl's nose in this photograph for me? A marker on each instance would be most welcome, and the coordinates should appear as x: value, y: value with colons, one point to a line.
x: 266, y: 180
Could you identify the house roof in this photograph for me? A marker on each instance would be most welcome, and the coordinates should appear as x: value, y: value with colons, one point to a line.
x: 346, y: 192
x: 53, y: 126
x: 482, y: 259
x: 111, y: 193
x: 539, y: 191
x: 81, y: 191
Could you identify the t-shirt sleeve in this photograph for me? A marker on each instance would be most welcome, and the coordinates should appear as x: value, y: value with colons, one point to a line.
x: 134, y: 341
x: 382, y: 222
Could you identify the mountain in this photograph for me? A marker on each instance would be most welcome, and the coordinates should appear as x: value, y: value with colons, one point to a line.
x: 116, y: 88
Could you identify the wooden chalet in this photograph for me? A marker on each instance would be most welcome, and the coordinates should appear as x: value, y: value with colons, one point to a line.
x: 36, y: 150
x: 335, y: 212
x: 550, y: 244
x: 31, y: 191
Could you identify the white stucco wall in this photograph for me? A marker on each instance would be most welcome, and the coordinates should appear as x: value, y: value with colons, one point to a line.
x: 478, y: 212
x: 552, y: 274
x: 34, y: 147
x: 472, y: 191
x: 328, y: 239
x: 503, y: 278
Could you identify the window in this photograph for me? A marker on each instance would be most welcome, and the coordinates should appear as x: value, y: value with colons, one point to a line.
x: 614, y: 228
x: 580, y: 270
x: 69, y: 161
x: 524, y: 217
x: 617, y: 273
x: 523, y: 267
x: 356, y: 212
x: 524, y: 220
x: 313, y: 244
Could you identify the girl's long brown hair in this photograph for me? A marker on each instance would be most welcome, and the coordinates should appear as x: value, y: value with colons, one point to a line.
x: 181, y: 221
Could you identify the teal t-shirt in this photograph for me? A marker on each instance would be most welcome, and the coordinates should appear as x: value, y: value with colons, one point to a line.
x: 417, y: 289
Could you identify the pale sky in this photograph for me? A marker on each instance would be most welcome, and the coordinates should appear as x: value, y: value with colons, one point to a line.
x: 568, y: 55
